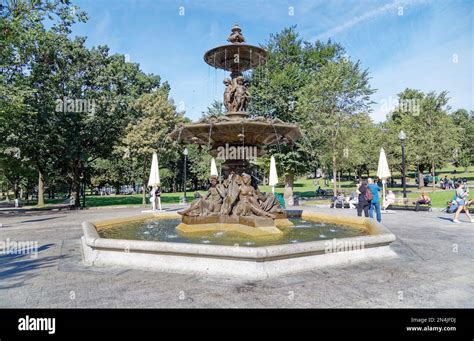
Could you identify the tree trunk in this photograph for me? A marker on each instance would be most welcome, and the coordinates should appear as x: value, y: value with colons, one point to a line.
x: 420, y: 176
x: 76, y: 183
x: 16, y: 189
x: 288, y: 194
x: 40, y: 189
x: 334, y: 172
x: 434, y: 175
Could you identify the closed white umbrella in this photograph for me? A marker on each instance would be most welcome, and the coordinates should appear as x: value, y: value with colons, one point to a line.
x: 214, y: 168
x: 154, y: 180
x: 383, y: 171
x: 273, y: 178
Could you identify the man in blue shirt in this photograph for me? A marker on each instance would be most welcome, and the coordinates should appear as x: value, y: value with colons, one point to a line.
x: 375, y: 202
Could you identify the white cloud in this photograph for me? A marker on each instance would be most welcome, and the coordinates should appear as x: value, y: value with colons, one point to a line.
x: 379, y: 11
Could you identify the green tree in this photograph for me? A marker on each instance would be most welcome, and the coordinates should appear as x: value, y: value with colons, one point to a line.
x: 25, y: 45
x: 215, y: 109
x: 430, y: 133
x: 464, y: 152
x: 275, y: 87
x: 362, y: 138
x: 328, y: 103
x: 148, y: 133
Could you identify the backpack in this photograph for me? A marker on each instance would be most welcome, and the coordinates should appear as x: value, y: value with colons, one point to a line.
x: 453, y: 206
x: 368, y: 194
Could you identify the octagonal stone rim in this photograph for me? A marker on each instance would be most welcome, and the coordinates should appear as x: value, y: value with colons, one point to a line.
x: 379, y: 236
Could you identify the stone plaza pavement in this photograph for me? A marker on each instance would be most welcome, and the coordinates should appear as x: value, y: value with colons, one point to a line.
x: 434, y: 268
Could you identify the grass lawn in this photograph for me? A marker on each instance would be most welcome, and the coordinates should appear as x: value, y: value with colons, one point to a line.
x: 133, y: 199
x: 120, y: 200
x: 302, y: 187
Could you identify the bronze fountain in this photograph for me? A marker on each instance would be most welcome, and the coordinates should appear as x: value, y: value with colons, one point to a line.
x: 235, y: 200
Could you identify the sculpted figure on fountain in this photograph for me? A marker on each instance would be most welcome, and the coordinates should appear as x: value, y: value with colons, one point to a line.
x: 235, y: 196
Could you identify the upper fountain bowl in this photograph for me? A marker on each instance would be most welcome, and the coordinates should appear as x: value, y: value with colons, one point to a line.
x: 236, y: 57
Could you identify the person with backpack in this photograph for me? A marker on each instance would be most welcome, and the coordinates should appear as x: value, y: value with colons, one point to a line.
x: 461, y: 199
x: 374, y: 199
x: 363, y: 204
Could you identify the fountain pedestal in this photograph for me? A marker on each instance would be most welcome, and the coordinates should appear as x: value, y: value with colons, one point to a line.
x: 243, y: 229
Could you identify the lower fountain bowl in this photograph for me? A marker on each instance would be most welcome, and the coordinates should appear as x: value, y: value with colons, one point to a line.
x: 249, y: 263
x: 252, y: 226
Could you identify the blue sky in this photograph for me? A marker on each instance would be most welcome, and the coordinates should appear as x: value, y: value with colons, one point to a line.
x: 421, y: 44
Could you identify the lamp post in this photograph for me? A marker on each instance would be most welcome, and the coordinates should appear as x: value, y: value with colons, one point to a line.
x: 185, y: 153
x: 402, y: 138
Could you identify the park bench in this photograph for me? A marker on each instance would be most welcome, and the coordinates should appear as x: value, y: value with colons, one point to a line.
x: 409, y: 207
x: 326, y: 193
x: 339, y: 205
x: 7, y: 204
x: 405, y: 204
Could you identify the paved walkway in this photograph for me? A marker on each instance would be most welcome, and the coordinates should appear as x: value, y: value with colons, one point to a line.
x: 434, y: 268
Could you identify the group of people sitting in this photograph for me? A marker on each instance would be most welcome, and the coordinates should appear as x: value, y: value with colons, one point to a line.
x: 450, y: 183
x: 360, y: 200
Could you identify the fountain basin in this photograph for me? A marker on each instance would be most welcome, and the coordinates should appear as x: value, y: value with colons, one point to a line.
x: 250, y: 263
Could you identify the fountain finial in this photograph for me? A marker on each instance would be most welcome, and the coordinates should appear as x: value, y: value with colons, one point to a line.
x: 236, y: 37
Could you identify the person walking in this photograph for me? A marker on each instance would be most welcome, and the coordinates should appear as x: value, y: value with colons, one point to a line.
x: 461, y: 198
x: 363, y: 204
x: 375, y: 202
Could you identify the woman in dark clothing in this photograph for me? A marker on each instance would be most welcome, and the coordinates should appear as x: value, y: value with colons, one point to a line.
x: 363, y: 204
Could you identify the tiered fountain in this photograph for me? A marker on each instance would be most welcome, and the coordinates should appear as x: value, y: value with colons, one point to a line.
x: 234, y: 230
x: 236, y: 138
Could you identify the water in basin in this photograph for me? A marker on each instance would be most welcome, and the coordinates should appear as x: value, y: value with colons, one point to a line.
x: 165, y: 231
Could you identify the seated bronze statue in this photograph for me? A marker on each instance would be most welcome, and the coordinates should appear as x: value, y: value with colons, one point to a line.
x: 248, y: 203
x: 235, y: 196
x: 210, y: 204
x: 269, y: 202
